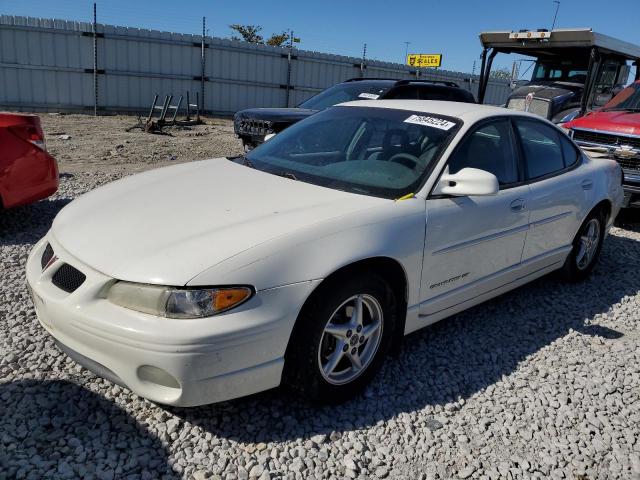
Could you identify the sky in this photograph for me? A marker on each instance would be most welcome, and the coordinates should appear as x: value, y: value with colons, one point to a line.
x: 450, y: 27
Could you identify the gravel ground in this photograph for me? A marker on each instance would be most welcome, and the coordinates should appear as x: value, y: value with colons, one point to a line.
x: 543, y: 382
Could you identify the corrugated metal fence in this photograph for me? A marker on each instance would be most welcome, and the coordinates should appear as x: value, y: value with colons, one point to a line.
x: 48, y: 65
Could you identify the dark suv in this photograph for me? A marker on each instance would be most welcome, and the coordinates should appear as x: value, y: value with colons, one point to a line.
x: 253, y: 124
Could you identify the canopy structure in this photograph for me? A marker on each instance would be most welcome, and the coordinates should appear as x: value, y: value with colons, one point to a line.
x: 561, y: 43
x: 539, y: 45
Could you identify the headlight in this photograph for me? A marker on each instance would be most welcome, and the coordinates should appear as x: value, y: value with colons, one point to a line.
x: 172, y: 302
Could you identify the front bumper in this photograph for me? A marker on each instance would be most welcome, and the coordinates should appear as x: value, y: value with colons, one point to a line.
x: 251, y: 131
x: 175, y: 362
x: 631, y: 187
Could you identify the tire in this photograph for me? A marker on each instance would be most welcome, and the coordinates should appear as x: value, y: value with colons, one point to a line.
x: 312, y: 350
x: 586, y: 248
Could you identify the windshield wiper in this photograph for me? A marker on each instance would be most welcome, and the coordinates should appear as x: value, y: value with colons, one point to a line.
x: 286, y: 175
x: 246, y: 162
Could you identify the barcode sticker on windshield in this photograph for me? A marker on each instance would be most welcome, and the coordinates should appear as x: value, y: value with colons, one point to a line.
x: 370, y: 96
x: 430, y: 122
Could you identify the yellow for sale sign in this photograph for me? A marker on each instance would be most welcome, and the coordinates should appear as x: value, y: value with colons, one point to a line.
x: 433, y: 60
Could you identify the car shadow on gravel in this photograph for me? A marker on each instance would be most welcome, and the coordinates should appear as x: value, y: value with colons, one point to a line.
x: 57, y: 429
x: 629, y: 219
x: 448, y: 362
x: 29, y: 223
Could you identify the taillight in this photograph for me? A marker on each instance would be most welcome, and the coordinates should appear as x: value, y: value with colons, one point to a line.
x: 30, y: 133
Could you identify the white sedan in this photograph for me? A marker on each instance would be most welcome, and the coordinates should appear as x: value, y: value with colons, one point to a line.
x: 304, y: 262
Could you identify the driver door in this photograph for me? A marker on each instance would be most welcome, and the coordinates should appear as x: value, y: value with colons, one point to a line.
x: 472, y: 242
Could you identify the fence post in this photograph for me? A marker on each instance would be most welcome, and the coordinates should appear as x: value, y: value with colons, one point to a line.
x: 202, y: 65
x: 289, y: 67
x: 95, y: 62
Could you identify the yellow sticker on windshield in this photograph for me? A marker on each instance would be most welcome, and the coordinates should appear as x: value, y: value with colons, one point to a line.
x: 440, y: 123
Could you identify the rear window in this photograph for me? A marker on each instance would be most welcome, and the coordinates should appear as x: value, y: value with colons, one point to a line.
x: 569, y: 151
x: 542, y: 149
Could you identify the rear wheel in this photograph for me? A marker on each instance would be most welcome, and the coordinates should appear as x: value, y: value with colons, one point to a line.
x: 340, y: 339
x: 586, y: 248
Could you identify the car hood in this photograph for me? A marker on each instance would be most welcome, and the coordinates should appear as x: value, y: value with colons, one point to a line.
x: 627, y: 123
x: 276, y: 114
x: 548, y: 90
x: 167, y: 225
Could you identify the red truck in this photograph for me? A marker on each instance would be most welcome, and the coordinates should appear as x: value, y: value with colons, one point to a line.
x: 614, y: 131
x: 27, y: 172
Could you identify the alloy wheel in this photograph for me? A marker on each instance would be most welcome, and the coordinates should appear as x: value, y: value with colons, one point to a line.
x: 350, y: 339
x: 588, y: 244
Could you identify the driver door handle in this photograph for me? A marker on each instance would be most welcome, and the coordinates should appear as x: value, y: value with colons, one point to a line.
x: 517, y: 205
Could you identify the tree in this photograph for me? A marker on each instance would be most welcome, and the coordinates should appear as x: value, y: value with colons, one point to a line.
x: 249, y: 33
x: 502, y: 73
x: 278, y: 39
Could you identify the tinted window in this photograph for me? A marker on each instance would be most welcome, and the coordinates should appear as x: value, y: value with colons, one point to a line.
x: 346, y: 92
x: 569, y: 71
x: 435, y: 94
x: 569, y: 151
x: 627, y: 99
x: 489, y: 148
x: 404, y: 92
x: 541, y: 145
x: 367, y: 150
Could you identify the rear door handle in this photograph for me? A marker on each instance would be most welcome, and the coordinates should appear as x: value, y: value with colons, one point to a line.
x: 518, y: 205
x: 587, y: 184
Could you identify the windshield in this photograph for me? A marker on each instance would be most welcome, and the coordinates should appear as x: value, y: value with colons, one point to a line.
x: 560, y: 72
x: 346, y: 92
x: 373, y: 151
x: 627, y: 99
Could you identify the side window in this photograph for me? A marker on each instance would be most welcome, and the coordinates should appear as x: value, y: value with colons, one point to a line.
x: 404, y: 92
x: 541, y: 145
x: 488, y: 148
x: 569, y: 152
x: 434, y: 94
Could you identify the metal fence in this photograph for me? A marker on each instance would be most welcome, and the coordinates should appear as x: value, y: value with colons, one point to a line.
x: 48, y: 65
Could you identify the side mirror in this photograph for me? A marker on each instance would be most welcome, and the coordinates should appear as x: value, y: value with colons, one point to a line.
x: 602, y: 99
x: 467, y: 182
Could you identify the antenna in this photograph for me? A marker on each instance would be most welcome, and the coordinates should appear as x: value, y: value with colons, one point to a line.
x: 557, y: 2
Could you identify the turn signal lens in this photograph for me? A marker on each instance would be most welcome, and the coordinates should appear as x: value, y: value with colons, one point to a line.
x: 226, y: 298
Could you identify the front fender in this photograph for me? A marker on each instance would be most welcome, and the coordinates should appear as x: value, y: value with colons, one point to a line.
x: 395, y: 230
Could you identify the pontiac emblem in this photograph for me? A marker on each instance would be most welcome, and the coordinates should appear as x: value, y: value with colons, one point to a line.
x: 527, y: 101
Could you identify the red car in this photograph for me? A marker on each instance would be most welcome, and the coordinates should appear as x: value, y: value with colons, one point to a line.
x: 27, y: 172
x: 614, y: 130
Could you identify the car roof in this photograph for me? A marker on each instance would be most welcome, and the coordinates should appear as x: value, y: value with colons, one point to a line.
x: 461, y: 110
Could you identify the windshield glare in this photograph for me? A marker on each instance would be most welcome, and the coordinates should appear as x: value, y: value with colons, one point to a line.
x: 373, y: 151
x: 627, y: 99
x: 346, y: 92
x: 560, y: 72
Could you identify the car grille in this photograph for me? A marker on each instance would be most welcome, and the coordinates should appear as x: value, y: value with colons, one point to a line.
x: 629, y: 163
x: 68, y: 278
x: 539, y: 107
x: 591, y: 138
x: 47, y: 255
x: 253, y: 127
x: 605, y: 138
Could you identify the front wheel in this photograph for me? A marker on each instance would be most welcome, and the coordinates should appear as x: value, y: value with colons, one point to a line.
x: 340, y: 339
x: 586, y: 248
